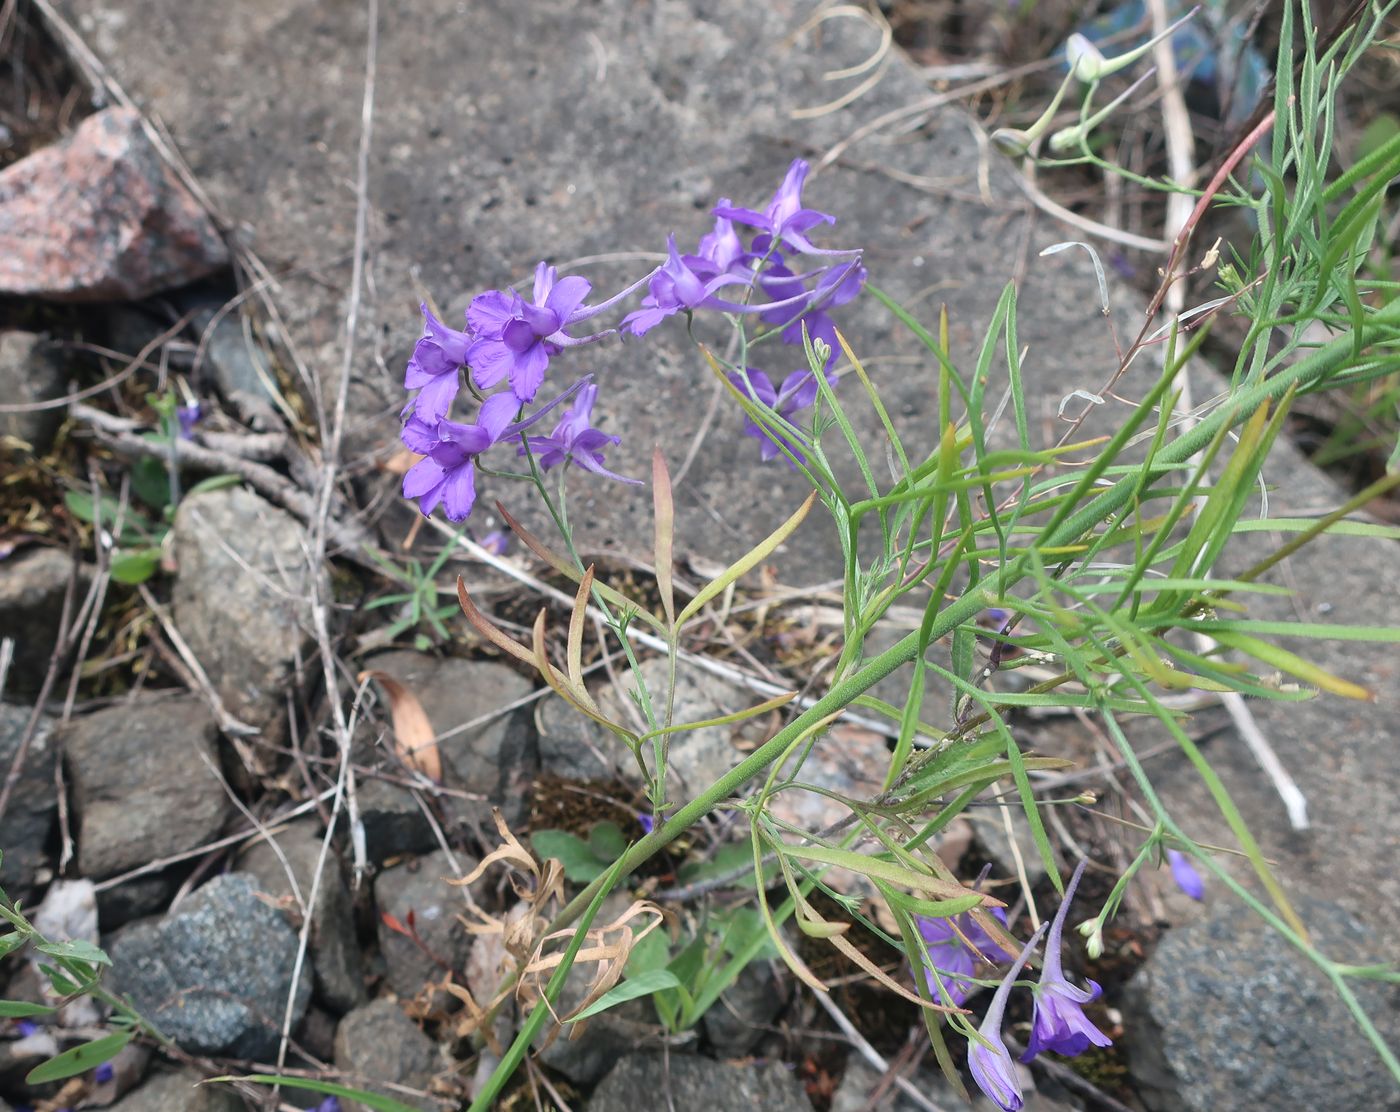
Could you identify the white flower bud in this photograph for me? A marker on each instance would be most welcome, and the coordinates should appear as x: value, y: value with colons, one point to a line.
x: 1086, y: 61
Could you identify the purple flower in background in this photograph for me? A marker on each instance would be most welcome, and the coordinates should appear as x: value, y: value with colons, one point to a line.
x: 26, y: 1027
x: 575, y: 438
x: 495, y: 542
x: 647, y: 823
x: 515, y: 338
x: 1185, y: 874
x: 798, y: 391
x: 103, y: 1073
x: 446, y: 475
x: 837, y: 286
x: 432, y: 368
x: 330, y: 1104
x: 990, y: 1062
x: 186, y: 417
x: 955, y: 959
x: 683, y: 282
x: 1059, y: 1023
x: 785, y: 220
x: 723, y: 247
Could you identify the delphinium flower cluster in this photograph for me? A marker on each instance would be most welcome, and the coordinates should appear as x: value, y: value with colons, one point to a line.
x: 957, y: 946
x: 754, y: 266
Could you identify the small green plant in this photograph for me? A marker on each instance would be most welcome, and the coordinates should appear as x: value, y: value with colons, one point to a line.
x: 419, y: 600
x: 139, y: 538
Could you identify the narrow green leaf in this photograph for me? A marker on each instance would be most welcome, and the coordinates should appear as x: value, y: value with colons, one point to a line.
x: 133, y: 566
x: 644, y: 985
x: 329, y: 1088
x: 79, y: 1059
x: 77, y: 949
x: 22, y: 1009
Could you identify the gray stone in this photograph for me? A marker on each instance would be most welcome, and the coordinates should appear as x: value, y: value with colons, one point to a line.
x: 144, y: 782
x: 473, y: 187
x: 334, y: 953
x: 1227, y: 1018
x: 31, y: 370
x: 697, y: 758
x: 694, y: 1084
x: 100, y: 216
x: 179, y: 1092
x: 236, y: 366
x: 738, y: 1019
x: 574, y: 747
x: 393, y: 822
x: 418, y: 896
x: 28, y: 819
x: 215, y: 974
x: 32, y: 587
x: 378, y: 1043
x: 496, y: 759
x: 242, y: 596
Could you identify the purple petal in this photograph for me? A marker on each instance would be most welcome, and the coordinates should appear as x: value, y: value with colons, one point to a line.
x: 568, y: 295
x: 419, y: 435
x: 528, y: 372
x: 488, y: 312
x: 496, y: 413
x: 423, y: 477
x: 1185, y: 874
x: 435, y: 399
x: 491, y: 361
x: 459, y: 492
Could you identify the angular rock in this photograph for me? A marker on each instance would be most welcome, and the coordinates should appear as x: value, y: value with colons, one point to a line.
x: 242, y: 596
x: 215, y: 974
x: 1263, y: 1027
x: 141, y: 789
x: 99, y: 216
x: 29, y: 816
x: 378, y: 1043
x: 335, y: 955
x: 31, y: 370
x: 697, y: 758
x: 495, y: 759
x: 695, y: 1084
x: 860, y: 1081
x: 574, y: 747
x: 179, y: 1092
x: 738, y: 1019
x: 32, y: 587
x: 417, y: 894
x: 393, y: 821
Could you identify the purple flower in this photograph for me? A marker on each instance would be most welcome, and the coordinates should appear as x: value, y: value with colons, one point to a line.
x: 103, y: 1073
x: 186, y: 417
x: 495, y: 542
x: 1185, y: 874
x: 432, y: 369
x: 723, y: 247
x: 26, y: 1027
x: 990, y: 1061
x: 647, y: 823
x: 446, y: 474
x: 330, y: 1104
x: 798, y: 391
x: 683, y: 282
x: 956, y: 947
x: 1059, y: 1023
x: 785, y: 220
x: 835, y: 287
x: 574, y: 438
x: 515, y: 338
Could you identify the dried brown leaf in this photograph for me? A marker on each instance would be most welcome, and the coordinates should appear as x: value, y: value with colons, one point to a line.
x: 413, y: 732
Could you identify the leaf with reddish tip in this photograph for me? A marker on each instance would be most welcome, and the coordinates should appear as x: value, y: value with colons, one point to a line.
x: 413, y: 732
x: 484, y: 626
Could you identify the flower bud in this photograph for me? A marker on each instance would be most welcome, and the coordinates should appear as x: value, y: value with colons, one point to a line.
x: 1086, y: 61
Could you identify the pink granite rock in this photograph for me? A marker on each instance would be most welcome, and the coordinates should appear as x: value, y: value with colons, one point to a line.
x: 100, y: 216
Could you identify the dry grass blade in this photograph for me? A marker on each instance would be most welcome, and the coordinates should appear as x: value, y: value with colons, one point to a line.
x: 413, y: 731
x: 574, y: 655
